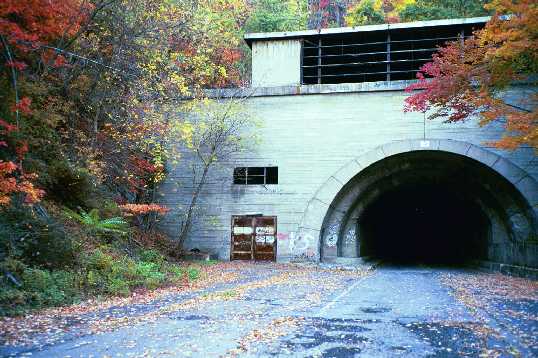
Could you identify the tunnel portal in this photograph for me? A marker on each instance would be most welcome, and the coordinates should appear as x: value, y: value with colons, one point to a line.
x: 428, y: 207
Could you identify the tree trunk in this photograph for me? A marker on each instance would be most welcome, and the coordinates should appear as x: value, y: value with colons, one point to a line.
x: 188, y: 220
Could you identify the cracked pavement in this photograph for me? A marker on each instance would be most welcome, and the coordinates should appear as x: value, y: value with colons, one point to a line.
x: 314, y: 311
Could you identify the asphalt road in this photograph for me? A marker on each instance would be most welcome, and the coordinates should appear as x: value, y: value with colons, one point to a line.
x: 306, y: 311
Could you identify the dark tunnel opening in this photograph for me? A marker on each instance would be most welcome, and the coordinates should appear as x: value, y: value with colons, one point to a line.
x: 429, y: 207
x: 424, y: 223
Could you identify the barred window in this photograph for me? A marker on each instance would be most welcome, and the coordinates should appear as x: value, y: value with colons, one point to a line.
x: 255, y: 175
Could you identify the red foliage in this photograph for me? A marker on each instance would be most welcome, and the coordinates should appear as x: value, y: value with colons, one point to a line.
x: 60, y: 61
x: 21, y: 150
x: 23, y: 106
x: 8, y: 128
x: 12, y: 178
x: 467, y: 80
x: 9, y: 185
x: 26, y: 24
x: 230, y: 55
x: 323, y: 4
x: 141, y: 172
x: 142, y: 166
x: 18, y: 65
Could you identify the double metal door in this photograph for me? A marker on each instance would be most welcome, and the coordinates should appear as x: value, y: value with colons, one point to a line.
x: 253, y: 238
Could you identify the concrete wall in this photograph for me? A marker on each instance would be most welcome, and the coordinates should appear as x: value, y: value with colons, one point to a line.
x: 309, y: 138
x: 276, y: 63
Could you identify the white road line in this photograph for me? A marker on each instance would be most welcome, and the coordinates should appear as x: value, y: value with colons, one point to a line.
x: 337, y: 298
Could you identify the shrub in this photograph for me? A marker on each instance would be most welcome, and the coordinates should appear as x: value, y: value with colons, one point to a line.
x: 39, y: 288
x: 149, y: 274
x: 117, y: 287
x: 193, y: 273
x: 176, y: 274
x: 67, y: 185
x: 152, y: 256
x: 12, y: 301
x: 12, y: 266
x: 107, y: 274
x: 99, y: 261
x: 95, y: 282
x: 117, y: 276
x: 101, y: 272
x: 45, y: 288
x: 36, y: 238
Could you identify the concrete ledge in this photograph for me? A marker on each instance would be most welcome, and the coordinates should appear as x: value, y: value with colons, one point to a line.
x: 512, y: 270
x: 483, y: 156
x: 371, y: 157
x: 296, y: 90
x: 283, y: 35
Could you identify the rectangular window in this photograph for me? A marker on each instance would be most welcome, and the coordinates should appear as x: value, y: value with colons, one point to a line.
x: 384, y: 55
x: 256, y: 175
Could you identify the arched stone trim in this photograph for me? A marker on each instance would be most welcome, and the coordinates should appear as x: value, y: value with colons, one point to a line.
x: 313, y: 216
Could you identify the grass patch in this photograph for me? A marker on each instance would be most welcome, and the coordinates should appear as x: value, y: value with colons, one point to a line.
x: 103, y: 272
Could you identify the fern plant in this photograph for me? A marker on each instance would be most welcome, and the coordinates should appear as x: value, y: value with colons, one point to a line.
x: 94, y: 223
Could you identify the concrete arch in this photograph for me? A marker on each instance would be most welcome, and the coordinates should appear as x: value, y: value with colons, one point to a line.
x: 312, y: 222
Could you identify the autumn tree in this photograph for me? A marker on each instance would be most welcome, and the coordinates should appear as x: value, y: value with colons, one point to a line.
x: 100, y: 75
x: 25, y: 27
x: 369, y: 12
x: 442, y: 9
x: 327, y: 13
x: 221, y: 128
x: 470, y: 79
x: 366, y: 12
x: 276, y: 15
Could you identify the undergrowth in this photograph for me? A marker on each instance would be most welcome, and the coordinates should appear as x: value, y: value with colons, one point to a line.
x: 48, y: 259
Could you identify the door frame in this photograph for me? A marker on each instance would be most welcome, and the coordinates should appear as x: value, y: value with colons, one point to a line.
x: 253, y: 238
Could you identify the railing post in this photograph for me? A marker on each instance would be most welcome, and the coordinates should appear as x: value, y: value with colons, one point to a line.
x: 388, y: 56
x: 319, y: 61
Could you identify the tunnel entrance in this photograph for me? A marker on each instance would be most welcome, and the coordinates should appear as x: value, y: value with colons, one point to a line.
x: 429, y: 207
x: 424, y: 223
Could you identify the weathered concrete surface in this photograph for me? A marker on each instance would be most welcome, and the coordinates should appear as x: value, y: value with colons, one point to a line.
x: 319, y: 139
x: 276, y: 63
x: 298, y: 311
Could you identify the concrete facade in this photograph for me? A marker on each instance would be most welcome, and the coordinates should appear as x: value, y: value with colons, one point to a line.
x: 339, y: 148
x: 320, y: 142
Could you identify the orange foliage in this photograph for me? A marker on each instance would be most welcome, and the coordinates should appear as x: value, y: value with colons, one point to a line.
x: 468, y: 79
x: 142, y: 209
x: 10, y: 184
x: 13, y: 180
